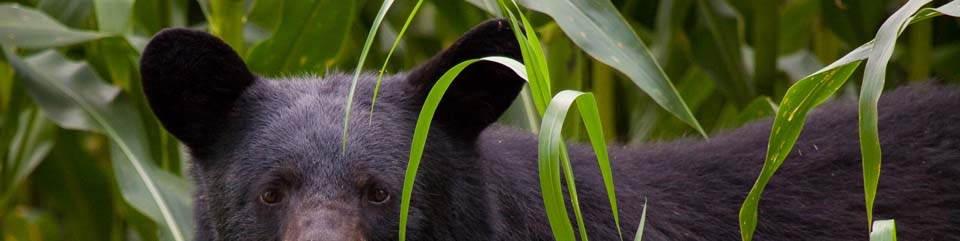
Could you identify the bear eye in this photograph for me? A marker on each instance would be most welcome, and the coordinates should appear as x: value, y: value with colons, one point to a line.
x: 271, y: 197
x: 377, y: 195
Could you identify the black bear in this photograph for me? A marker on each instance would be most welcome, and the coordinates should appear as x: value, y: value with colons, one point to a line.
x: 268, y: 164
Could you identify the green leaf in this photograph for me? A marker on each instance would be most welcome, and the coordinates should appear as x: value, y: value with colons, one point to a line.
x: 758, y: 108
x: 73, y: 96
x: 538, y: 75
x: 26, y: 137
x: 424, y: 120
x: 795, y: 24
x: 307, y: 40
x: 884, y: 230
x: 112, y: 15
x: 72, y: 180
x: 73, y: 13
x: 873, y: 79
x: 356, y: 72
x: 28, y: 28
x: 799, y: 100
x: 226, y: 21
x: 30, y: 224
x: 154, y: 15
x: 643, y: 221
x: 396, y: 42
x: 719, y: 37
x: 264, y: 14
x: 764, y: 18
x: 551, y: 152
x: 599, y: 29
x: 669, y: 21
x: 32, y: 141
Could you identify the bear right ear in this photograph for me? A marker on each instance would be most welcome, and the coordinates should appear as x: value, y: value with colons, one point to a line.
x: 191, y: 80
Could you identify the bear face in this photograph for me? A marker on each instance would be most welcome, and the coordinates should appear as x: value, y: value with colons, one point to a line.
x: 267, y: 156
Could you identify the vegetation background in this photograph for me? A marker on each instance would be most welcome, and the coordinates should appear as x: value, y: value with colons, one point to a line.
x: 83, y: 158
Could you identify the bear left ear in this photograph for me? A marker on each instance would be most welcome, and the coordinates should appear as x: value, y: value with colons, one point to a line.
x: 484, y: 90
x: 191, y: 80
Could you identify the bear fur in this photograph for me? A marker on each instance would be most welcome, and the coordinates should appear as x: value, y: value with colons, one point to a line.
x: 268, y: 164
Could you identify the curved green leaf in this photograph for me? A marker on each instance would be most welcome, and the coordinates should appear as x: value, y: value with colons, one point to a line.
x: 72, y: 95
x: 598, y: 28
x: 800, y: 99
x: 551, y: 152
x: 307, y: 38
x: 396, y: 42
x: 356, y: 72
x: 873, y: 80
x: 28, y: 28
x: 423, y: 127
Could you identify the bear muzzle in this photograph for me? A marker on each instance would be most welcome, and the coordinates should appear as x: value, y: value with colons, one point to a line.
x: 322, y: 225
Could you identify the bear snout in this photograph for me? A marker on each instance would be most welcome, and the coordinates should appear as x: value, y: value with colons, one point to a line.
x: 322, y: 225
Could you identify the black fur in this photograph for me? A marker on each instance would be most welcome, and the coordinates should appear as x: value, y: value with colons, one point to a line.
x: 251, y: 135
x: 191, y: 80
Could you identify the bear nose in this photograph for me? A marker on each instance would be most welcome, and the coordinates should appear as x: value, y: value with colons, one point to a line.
x: 322, y: 225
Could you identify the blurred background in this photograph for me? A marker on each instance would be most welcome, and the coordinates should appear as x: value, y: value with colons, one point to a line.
x: 83, y: 158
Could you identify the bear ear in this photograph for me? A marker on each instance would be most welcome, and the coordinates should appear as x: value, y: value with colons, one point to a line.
x: 484, y: 90
x: 191, y: 80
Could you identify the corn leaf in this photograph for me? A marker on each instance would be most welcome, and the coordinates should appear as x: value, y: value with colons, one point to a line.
x: 873, y: 80
x: 26, y: 137
x: 307, y: 40
x: 598, y: 28
x: 552, y: 156
x: 226, y: 20
x: 720, y: 38
x: 28, y: 28
x: 799, y: 100
x: 72, y: 95
x: 112, y: 15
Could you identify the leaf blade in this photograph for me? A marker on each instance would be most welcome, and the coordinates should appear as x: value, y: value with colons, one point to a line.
x: 112, y: 15
x: 599, y: 29
x: 356, y: 72
x: 101, y: 108
x: 873, y: 80
x: 307, y: 39
x: 28, y: 28
x: 784, y: 142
